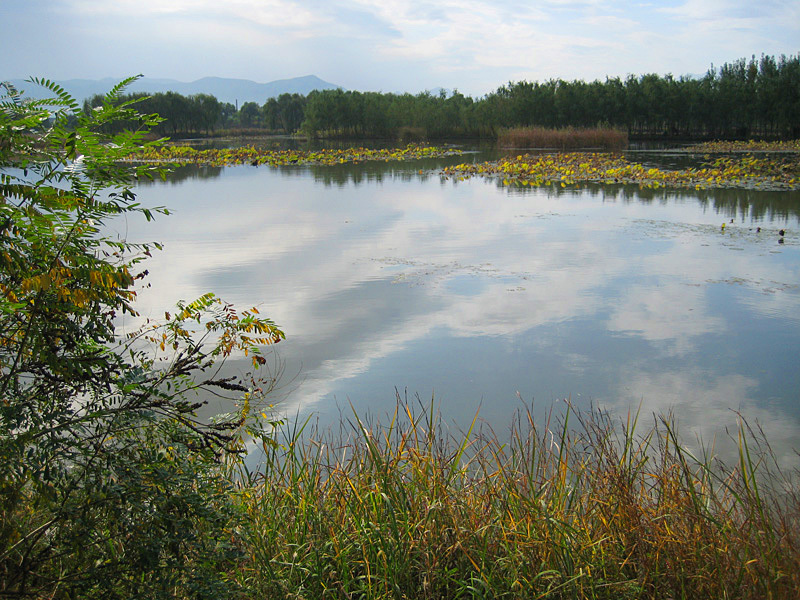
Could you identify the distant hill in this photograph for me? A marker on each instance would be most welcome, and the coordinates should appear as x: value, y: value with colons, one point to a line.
x: 225, y: 90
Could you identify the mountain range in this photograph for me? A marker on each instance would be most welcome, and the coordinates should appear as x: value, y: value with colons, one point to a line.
x: 235, y: 91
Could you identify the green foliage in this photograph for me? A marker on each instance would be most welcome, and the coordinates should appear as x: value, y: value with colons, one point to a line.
x: 739, y: 100
x: 199, y: 113
x: 399, y: 116
x: 110, y: 485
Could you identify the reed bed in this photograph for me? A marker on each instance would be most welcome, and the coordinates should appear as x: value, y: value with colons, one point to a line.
x: 582, y: 508
x: 563, y: 139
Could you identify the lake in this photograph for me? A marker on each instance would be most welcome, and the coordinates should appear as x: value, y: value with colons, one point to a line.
x: 387, y: 277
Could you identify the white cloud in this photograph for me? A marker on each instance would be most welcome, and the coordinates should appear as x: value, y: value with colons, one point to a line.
x: 742, y: 11
x: 392, y: 45
x: 671, y: 315
x: 707, y: 407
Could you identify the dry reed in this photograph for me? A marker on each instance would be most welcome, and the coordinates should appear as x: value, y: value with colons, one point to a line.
x: 563, y: 139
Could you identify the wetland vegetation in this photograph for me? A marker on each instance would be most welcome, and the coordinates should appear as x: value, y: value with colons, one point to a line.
x: 602, y: 138
x: 112, y: 486
x: 745, y: 171
x: 747, y: 146
x: 594, y: 509
x: 566, y: 168
x: 183, y: 155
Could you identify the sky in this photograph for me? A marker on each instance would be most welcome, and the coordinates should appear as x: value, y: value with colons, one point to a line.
x: 474, y: 46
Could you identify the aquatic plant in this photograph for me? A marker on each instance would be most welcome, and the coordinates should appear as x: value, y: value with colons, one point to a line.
x: 746, y: 171
x: 748, y: 146
x: 183, y: 155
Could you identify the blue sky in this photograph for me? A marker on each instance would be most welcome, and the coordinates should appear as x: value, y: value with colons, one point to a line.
x: 388, y: 45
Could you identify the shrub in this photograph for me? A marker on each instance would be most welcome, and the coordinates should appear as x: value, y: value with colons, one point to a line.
x: 110, y: 486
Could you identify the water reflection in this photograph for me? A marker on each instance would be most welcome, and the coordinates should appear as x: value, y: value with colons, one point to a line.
x: 741, y: 204
x: 180, y: 174
x: 386, y: 279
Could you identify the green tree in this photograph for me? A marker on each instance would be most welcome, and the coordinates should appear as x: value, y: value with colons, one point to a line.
x: 110, y: 485
x: 208, y: 111
x: 250, y: 115
x: 228, y: 115
x: 290, y: 108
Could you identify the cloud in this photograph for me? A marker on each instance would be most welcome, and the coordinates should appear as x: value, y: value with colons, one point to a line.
x: 349, y: 299
x: 721, y: 11
x: 725, y: 30
x: 707, y: 406
x: 391, y: 45
x: 669, y: 314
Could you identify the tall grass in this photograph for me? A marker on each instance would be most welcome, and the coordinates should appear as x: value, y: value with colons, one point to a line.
x: 563, y: 139
x: 583, y: 508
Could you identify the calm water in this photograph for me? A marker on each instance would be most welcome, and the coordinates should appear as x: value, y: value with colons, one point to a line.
x: 490, y: 298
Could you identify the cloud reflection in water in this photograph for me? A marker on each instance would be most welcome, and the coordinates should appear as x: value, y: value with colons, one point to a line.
x: 474, y: 292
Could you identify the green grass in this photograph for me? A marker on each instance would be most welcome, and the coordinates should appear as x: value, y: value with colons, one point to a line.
x: 563, y: 139
x: 583, y: 508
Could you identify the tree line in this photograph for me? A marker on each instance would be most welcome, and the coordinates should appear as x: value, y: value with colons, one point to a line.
x: 742, y: 99
x: 204, y: 114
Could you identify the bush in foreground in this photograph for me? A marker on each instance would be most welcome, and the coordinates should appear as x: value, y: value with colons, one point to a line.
x: 110, y: 486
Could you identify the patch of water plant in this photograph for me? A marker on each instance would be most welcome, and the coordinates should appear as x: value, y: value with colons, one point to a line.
x: 748, y: 171
x: 183, y: 155
x: 747, y: 146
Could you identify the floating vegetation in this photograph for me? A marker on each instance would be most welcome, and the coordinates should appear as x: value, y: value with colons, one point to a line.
x: 765, y: 173
x: 183, y: 155
x: 748, y: 146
